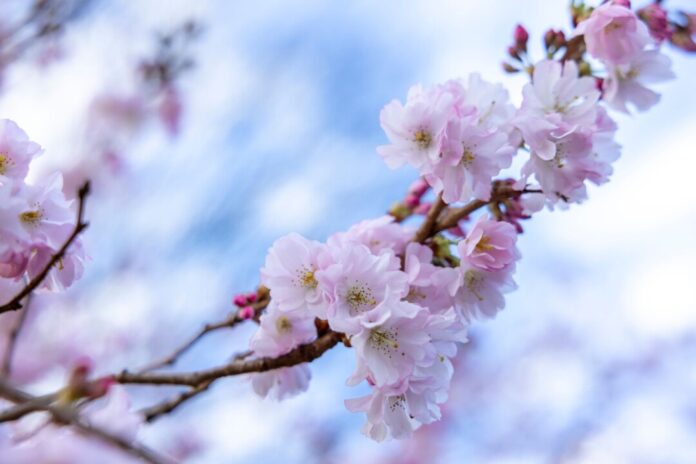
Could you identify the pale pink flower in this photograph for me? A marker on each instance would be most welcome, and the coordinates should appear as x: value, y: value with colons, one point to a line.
x: 61, y: 276
x: 282, y: 383
x: 614, y: 34
x: 471, y: 158
x: 481, y: 292
x: 556, y: 103
x: 432, y: 287
x: 379, y: 235
x: 388, y: 351
x: 281, y: 331
x: 627, y: 84
x: 361, y: 287
x: 416, y: 130
x: 490, y: 245
x: 16, y: 150
x: 387, y: 414
x: 290, y: 274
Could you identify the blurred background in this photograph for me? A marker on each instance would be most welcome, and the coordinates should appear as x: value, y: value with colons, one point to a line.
x: 272, y: 128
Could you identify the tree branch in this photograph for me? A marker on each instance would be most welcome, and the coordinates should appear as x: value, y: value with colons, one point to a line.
x: 67, y: 415
x: 301, y: 354
x: 12, y: 337
x: 426, y: 228
x: 229, y: 322
x: 15, y: 303
x: 154, y: 412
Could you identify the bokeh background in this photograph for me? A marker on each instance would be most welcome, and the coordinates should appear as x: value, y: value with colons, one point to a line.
x: 591, y: 362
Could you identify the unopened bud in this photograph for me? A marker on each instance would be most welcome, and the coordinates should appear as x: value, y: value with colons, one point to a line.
x: 513, y: 52
x: 411, y: 200
x: 246, y: 312
x: 239, y: 300
x: 419, y: 188
x: 521, y: 35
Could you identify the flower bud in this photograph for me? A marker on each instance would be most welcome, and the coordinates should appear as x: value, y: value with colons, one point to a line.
x: 411, y: 200
x: 419, y: 188
x: 508, y: 68
x: 239, y: 300
x: 625, y: 3
x: 521, y: 34
x: 513, y: 52
x: 246, y: 312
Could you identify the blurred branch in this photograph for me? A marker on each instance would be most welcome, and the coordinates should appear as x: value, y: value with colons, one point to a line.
x: 15, y: 303
x: 6, y: 366
x: 168, y: 406
x: 67, y: 415
x: 230, y: 322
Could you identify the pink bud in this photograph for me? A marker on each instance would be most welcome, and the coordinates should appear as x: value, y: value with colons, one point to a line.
x: 419, y: 188
x: 239, y: 300
x: 549, y: 38
x: 626, y: 3
x: 100, y: 387
x: 246, y: 312
x: 521, y: 35
x: 656, y: 19
x: 599, y: 84
x: 251, y: 297
x: 411, y: 200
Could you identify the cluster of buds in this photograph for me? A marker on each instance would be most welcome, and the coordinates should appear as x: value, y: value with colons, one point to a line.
x: 413, y: 202
x: 244, y: 301
x: 518, y: 50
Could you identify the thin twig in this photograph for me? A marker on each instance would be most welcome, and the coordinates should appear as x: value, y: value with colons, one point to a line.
x: 303, y: 353
x: 15, y: 303
x: 229, y: 322
x: 154, y: 412
x: 12, y: 338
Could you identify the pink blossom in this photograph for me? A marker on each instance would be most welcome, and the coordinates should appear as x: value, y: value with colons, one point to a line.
x: 16, y: 150
x: 614, y: 34
x: 387, y: 414
x: 490, y: 245
x: 556, y: 103
x: 282, y: 383
x: 481, y: 292
x: 388, y: 351
x: 416, y: 130
x: 655, y: 16
x: 379, y: 235
x: 473, y: 157
x: 69, y: 269
x: 290, y: 274
x: 281, y: 331
x: 627, y: 84
x: 361, y: 287
x: 432, y: 287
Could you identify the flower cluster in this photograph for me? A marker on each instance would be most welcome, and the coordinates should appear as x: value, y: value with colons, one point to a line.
x: 622, y: 42
x: 35, y: 220
x: 404, y: 304
x: 401, y: 313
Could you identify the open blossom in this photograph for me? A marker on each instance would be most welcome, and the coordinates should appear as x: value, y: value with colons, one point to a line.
x: 471, y: 158
x: 289, y: 273
x: 280, y: 331
x: 432, y: 287
x: 583, y: 155
x: 481, y: 292
x: 379, y: 235
x: 387, y: 414
x: 489, y: 245
x: 282, y: 383
x: 16, y: 151
x: 387, y: 351
x: 416, y: 130
x: 361, y: 287
x: 556, y: 103
x: 613, y: 33
x: 627, y: 84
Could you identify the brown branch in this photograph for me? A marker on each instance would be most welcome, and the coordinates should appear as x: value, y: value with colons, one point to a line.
x: 12, y: 337
x: 301, y: 354
x: 229, y: 322
x: 426, y: 228
x: 15, y: 303
x: 154, y: 412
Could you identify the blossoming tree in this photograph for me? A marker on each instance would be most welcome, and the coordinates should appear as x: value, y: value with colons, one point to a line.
x: 400, y: 291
